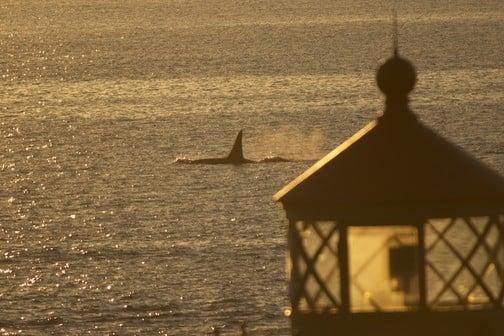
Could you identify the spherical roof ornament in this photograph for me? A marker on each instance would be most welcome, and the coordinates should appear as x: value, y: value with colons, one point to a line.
x: 396, y: 77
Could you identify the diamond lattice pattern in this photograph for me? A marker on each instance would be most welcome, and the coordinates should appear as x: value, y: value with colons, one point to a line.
x: 465, y: 263
x: 315, y: 284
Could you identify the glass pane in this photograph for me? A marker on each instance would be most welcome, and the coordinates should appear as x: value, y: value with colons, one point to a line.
x: 315, y: 283
x: 462, y: 237
x: 383, y: 268
x: 464, y: 270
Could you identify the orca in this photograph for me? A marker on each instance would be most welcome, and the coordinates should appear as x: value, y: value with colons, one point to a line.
x: 235, y: 157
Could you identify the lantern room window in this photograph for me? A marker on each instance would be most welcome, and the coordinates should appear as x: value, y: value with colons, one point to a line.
x: 315, y: 276
x: 464, y: 262
x: 383, y: 268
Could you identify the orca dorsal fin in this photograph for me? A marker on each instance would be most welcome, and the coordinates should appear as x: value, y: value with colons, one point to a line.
x: 237, y: 151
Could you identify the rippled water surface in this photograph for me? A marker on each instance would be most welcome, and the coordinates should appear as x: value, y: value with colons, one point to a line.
x: 101, y: 233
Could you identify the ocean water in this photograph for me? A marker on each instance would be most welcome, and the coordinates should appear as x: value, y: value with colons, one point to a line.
x: 101, y: 233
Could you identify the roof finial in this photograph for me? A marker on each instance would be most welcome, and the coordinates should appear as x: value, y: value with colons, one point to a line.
x: 396, y: 77
x: 395, y: 32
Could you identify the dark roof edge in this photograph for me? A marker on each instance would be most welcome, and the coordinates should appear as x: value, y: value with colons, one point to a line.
x: 322, y: 162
